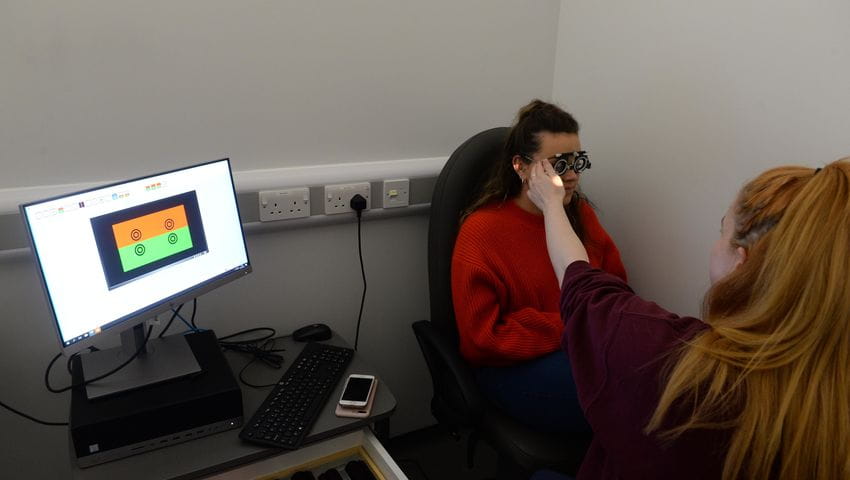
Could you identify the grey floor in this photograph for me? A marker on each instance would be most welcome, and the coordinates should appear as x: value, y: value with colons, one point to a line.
x: 432, y: 454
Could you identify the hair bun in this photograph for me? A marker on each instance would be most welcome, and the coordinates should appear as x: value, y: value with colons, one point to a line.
x: 532, y: 107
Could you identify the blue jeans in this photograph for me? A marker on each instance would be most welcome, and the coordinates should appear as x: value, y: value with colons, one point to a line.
x: 540, y: 393
x: 549, y: 475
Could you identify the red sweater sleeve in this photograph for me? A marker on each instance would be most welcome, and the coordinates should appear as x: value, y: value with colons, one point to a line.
x: 490, y: 335
x: 601, y: 250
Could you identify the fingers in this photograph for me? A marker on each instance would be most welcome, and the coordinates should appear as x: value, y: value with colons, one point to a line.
x: 547, y: 168
x: 545, y: 188
x: 541, y: 168
x: 537, y: 169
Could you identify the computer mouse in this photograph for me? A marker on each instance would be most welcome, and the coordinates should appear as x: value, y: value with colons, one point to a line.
x: 312, y: 333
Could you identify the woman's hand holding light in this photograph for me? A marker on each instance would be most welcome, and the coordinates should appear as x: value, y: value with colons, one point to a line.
x: 546, y: 190
x: 545, y: 187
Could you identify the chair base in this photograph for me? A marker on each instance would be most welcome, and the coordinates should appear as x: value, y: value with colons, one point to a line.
x: 531, y: 450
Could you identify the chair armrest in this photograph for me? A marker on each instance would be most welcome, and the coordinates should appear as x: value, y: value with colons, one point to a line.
x: 452, y: 377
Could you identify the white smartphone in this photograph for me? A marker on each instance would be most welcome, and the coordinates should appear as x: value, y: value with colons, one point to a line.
x: 358, y: 412
x: 358, y: 389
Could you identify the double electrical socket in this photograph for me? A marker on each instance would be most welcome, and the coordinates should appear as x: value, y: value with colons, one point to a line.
x: 295, y: 202
x: 338, y: 197
x: 283, y: 204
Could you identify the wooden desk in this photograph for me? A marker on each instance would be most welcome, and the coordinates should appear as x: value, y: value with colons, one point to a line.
x: 216, y: 453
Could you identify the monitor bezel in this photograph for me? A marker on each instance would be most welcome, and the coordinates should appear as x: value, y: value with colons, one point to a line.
x: 140, y: 316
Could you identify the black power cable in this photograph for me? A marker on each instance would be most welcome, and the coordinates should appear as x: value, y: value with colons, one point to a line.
x: 29, y: 417
x: 174, y: 314
x: 194, y: 311
x: 358, y: 203
x: 264, y: 353
x: 69, y: 387
x: 260, y: 348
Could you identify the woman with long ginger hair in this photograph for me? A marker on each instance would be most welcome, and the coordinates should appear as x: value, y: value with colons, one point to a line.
x: 760, y: 387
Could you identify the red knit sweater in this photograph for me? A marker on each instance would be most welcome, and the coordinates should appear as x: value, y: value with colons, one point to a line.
x: 504, y: 287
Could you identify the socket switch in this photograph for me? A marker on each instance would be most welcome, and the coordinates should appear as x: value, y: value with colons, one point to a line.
x: 338, y: 197
x: 284, y: 204
x: 396, y: 193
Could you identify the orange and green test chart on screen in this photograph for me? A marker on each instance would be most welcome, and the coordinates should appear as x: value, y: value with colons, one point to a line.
x: 146, y: 239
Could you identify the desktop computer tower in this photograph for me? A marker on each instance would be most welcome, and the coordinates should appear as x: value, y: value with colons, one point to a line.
x: 158, y: 415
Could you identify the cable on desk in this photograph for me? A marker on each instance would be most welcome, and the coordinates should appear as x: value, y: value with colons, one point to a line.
x: 259, y: 348
x: 268, y: 343
x: 30, y: 417
x: 225, y: 339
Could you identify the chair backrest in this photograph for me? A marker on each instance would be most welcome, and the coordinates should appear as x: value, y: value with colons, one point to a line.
x: 459, y: 180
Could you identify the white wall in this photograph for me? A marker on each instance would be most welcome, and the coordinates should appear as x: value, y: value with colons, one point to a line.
x: 94, y: 90
x: 681, y: 102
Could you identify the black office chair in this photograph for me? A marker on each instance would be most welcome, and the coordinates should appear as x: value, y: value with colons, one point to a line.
x: 458, y: 402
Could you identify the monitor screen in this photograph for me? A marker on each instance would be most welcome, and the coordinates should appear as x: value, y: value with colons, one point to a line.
x: 113, y: 256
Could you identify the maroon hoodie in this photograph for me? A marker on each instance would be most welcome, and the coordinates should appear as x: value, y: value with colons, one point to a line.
x: 618, y: 346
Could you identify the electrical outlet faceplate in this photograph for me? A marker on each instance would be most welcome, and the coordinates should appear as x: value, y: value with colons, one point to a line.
x: 284, y: 204
x: 338, y: 197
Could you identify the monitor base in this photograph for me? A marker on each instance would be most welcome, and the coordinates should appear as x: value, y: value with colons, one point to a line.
x: 163, y: 359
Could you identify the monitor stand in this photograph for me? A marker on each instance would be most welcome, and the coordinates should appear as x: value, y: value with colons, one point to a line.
x: 161, y: 359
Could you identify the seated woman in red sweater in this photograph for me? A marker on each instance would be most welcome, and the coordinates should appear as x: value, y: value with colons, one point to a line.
x: 505, y: 291
x: 760, y: 388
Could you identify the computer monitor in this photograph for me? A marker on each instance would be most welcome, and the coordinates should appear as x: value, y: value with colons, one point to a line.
x: 114, y: 256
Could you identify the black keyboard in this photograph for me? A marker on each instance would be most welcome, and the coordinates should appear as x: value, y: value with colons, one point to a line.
x: 293, y: 405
